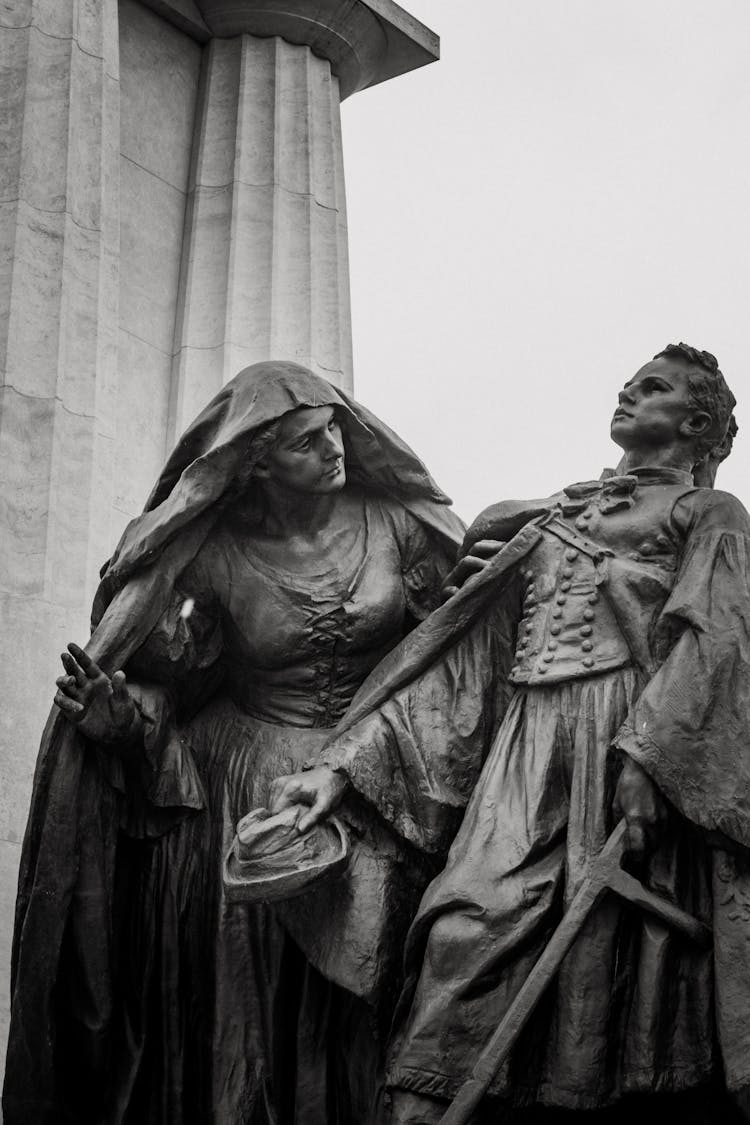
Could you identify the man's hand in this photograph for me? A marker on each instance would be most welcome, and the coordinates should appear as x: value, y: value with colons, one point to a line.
x: 481, y: 553
x: 321, y: 788
x: 102, y: 708
x: 642, y: 805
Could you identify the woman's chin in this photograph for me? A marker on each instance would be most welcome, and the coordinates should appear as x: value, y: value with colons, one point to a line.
x: 331, y: 482
x: 334, y: 482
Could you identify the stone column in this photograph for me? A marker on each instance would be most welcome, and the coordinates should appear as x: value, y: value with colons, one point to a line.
x: 260, y: 271
x: 59, y: 243
x: 265, y: 263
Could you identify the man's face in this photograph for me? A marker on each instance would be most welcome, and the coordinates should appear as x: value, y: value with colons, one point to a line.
x: 654, y: 406
x: 308, y: 455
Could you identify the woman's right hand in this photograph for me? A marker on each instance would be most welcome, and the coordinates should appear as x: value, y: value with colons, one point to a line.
x: 321, y: 788
x: 101, y: 708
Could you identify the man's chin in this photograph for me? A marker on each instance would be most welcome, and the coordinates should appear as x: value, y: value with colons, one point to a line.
x: 621, y: 431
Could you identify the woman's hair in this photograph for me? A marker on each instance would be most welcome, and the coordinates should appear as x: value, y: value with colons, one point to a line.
x: 243, y: 496
x: 709, y: 393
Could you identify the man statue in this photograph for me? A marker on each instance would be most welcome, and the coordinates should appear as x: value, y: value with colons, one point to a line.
x: 605, y: 675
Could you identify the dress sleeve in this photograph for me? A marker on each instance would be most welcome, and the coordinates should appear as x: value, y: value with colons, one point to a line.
x: 417, y: 757
x: 175, y: 671
x: 690, y: 727
x: 425, y: 562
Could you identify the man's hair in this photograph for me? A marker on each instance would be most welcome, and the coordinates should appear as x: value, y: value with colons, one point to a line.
x: 708, y: 392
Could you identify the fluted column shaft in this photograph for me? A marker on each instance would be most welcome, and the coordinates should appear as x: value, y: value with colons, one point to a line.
x: 265, y: 260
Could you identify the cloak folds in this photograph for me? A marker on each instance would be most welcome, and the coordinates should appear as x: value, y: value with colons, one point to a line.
x: 67, y: 939
x: 415, y: 738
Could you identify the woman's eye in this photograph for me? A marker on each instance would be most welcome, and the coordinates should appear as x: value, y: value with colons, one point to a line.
x: 332, y: 424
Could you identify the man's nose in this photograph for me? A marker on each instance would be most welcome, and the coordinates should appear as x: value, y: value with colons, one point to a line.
x: 625, y: 397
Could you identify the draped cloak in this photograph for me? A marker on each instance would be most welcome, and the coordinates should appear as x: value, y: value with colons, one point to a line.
x: 415, y: 738
x: 65, y: 928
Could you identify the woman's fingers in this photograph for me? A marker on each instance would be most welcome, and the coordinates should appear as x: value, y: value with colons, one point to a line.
x: 68, y: 685
x: 121, y: 706
x: 447, y: 592
x: 73, y: 669
x: 486, y: 548
x: 323, y: 796
x: 119, y: 699
x: 70, y: 706
x: 120, y: 687
x: 462, y: 571
x: 319, y: 809
x: 480, y: 554
x: 284, y: 792
x: 81, y: 667
x: 84, y: 661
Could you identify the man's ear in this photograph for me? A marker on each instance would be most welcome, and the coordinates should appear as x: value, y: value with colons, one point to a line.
x: 696, y: 425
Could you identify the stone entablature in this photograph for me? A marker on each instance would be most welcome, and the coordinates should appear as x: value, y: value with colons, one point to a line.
x: 365, y: 43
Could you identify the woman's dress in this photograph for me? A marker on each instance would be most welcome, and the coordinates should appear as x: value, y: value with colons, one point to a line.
x: 224, y: 1019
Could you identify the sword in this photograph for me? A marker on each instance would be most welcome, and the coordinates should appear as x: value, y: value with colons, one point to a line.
x: 605, y: 874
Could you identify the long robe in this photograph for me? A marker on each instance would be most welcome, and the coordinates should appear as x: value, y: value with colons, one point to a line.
x: 137, y: 995
x: 679, y: 703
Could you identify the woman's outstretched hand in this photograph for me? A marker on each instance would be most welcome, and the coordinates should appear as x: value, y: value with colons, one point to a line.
x: 102, y: 708
x: 321, y: 788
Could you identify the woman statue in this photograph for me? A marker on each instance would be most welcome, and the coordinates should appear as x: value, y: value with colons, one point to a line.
x: 290, y: 542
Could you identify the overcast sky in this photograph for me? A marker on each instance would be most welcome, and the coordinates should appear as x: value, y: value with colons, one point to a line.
x: 537, y: 214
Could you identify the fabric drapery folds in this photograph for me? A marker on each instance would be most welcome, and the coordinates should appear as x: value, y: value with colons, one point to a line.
x: 119, y: 900
x: 538, y: 767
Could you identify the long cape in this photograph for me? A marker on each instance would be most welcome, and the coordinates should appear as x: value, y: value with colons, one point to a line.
x: 66, y: 878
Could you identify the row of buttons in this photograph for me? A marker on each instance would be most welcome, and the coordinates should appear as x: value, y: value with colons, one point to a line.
x: 530, y: 605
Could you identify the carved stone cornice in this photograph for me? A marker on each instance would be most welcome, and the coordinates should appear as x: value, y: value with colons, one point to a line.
x: 365, y: 41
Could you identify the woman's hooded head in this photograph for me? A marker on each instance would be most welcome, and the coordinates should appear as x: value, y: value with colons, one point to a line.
x: 217, y: 452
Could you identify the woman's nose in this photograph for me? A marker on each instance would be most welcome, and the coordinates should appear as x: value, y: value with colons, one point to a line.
x: 334, y: 445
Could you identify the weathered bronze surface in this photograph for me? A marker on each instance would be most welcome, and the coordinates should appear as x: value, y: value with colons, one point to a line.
x: 597, y: 671
x: 290, y: 541
x: 555, y: 761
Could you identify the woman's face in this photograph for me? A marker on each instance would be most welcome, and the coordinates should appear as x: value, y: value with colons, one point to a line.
x: 308, y: 455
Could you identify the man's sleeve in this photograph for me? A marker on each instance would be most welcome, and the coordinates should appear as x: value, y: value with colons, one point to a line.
x: 417, y: 757
x: 690, y: 728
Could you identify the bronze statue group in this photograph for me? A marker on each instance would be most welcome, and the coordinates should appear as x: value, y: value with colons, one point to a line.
x: 329, y: 830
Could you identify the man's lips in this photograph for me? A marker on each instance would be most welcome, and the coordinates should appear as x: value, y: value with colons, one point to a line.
x: 620, y: 413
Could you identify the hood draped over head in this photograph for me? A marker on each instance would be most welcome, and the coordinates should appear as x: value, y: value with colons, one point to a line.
x: 215, y: 451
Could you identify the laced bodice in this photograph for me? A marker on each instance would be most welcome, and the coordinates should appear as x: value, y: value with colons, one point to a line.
x: 293, y: 648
